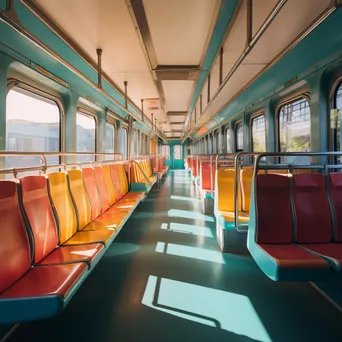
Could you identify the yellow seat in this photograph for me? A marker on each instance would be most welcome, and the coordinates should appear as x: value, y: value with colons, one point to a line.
x: 230, y: 216
x: 69, y: 226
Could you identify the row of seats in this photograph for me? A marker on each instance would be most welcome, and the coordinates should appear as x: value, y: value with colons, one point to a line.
x: 141, y: 172
x: 295, y: 229
x: 53, y: 231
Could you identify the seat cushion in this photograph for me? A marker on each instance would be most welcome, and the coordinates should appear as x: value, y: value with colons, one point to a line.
x: 99, y: 225
x: 94, y: 236
x: 332, y: 251
x: 54, y: 280
x: 72, y: 254
x: 226, y: 219
x: 112, y: 217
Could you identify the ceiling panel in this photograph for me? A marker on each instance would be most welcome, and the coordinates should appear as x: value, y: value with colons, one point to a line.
x: 260, y: 10
x: 106, y: 24
x: 295, y: 16
x: 177, y: 94
x: 179, y: 28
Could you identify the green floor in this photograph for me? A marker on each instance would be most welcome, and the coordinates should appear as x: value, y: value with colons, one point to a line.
x: 164, y: 279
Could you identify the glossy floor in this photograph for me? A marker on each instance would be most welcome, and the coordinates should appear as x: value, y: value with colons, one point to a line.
x: 164, y: 279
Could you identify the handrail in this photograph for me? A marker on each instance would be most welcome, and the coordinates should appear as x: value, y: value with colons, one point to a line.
x: 44, y: 166
x: 237, y: 165
x: 148, y: 180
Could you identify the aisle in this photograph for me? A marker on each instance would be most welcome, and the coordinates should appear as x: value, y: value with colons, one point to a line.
x: 164, y: 279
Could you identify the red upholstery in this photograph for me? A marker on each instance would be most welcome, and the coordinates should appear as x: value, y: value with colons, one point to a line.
x: 331, y: 250
x: 102, y: 187
x: 93, y: 193
x: 335, y: 191
x: 205, y: 176
x: 273, y: 209
x: 311, y: 208
x: 39, y: 213
x: 15, y: 258
x: 67, y: 254
x: 290, y: 256
x: 47, y: 280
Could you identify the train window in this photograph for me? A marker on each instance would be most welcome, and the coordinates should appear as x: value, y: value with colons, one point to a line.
x: 110, y: 135
x: 86, y: 136
x: 294, y: 126
x: 228, y: 146
x: 258, y: 134
x: 335, y: 121
x: 165, y: 151
x: 177, y: 152
x: 33, y: 124
x: 218, y: 147
x: 239, y: 137
x: 124, y: 143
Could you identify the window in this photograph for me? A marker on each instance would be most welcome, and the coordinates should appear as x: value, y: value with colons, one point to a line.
x: 258, y: 134
x: 124, y: 143
x: 335, y: 122
x: 294, y: 126
x: 218, y: 147
x: 239, y: 137
x: 177, y: 152
x: 110, y: 135
x: 33, y: 124
x: 86, y: 136
x: 165, y: 151
x: 228, y: 147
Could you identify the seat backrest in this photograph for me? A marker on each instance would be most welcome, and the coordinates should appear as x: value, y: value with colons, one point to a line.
x: 92, y: 191
x: 313, y: 220
x: 205, y: 176
x: 64, y: 207
x: 109, y: 183
x: 123, y: 178
x: 39, y: 214
x: 116, y: 181
x: 335, y: 193
x: 225, y: 190
x: 246, y: 179
x: 102, y: 188
x: 273, y: 208
x: 15, y: 253
x: 80, y: 197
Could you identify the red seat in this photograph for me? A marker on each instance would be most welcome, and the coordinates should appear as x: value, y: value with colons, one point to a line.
x: 270, y: 239
x: 38, y: 210
x: 27, y: 292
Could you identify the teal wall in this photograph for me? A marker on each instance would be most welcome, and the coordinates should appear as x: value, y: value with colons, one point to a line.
x: 173, y: 163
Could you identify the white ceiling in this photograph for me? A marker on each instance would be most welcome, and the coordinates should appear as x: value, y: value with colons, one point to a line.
x: 179, y: 29
x: 177, y: 94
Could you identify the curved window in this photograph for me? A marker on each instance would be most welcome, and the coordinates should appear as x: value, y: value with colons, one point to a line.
x: 258, y: 134
x: 124, y: 143
x: 228, y: 146
x: 294, y: 126
x: 239, y: 137
x: 33, y: 124
x: 335, y: 121
x: 86, y: 136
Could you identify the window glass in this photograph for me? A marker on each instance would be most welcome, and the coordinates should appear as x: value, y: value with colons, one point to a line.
x: 86, y: 136
x: 218, y: 149
x: 33, y: 124
x: 110, y: 135
x: 335, y: 121
x: 294, y: 126
x: 124, y: 143
x: 177, y: 152
x: 165, y: 151
x: 258, y: 134
x: 229, y: 149
x: 239, y: 138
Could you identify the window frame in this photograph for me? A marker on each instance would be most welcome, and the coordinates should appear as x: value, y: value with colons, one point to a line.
x: 304, y: 95
x: 38, y: 92
x: 237, y: 125
x: 333, y: 105
x: 226, y: 138
x: 109, y: 122
x: 254, y: 116
x: 125, y: 128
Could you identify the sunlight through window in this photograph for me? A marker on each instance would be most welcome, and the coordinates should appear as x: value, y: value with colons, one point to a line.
x: 188, y: 229
x: 189, y: 214
x: 190, y: 252
x: 88, y: 253
x: 224, y: 310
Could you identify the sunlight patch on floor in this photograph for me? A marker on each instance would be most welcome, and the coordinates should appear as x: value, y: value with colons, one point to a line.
x: 190, y: 252
x: 224, y: 310
x: 189, y: 215
x: 188, y: 229
x: 182, y: 198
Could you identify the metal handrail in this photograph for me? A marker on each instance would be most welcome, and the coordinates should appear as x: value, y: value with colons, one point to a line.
x: 148, y: 180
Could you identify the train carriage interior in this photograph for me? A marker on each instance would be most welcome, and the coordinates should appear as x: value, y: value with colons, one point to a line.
x: 170, y: 170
